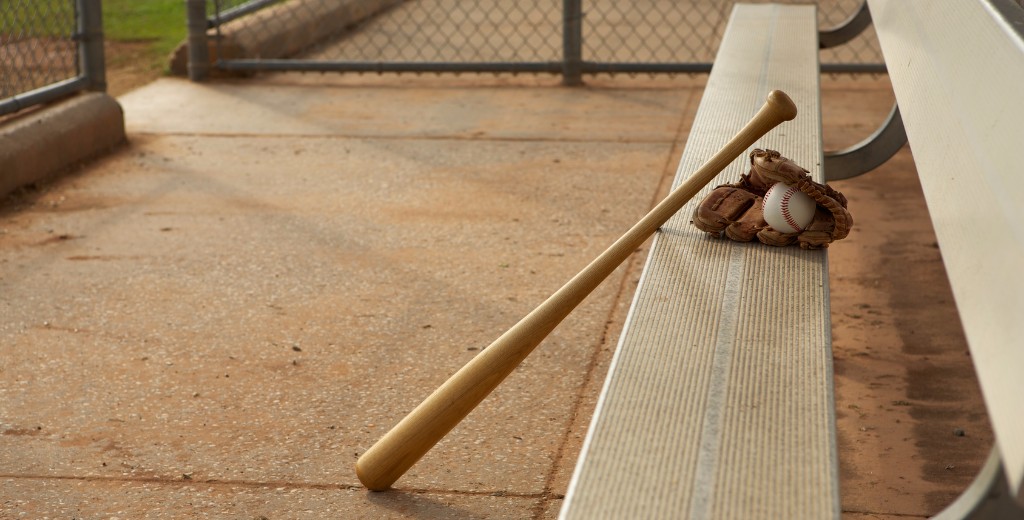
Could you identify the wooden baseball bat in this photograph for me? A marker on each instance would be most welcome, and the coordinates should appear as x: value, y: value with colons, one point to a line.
x: 428, y: 423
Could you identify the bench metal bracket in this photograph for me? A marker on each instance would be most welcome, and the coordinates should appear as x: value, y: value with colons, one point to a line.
x: 869, y: 153
x: 847, y: 30
x: 988, y: 497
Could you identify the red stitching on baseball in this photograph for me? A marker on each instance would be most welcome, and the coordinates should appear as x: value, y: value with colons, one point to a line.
x: 788, y: 194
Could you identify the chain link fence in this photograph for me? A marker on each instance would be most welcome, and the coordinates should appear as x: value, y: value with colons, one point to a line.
x: 592, y: 36
x: 48, y: 49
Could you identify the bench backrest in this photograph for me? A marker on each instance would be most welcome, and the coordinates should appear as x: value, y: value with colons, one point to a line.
x: 958, y: 74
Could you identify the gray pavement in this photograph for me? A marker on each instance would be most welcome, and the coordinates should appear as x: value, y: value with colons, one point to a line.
x: 218, y: 319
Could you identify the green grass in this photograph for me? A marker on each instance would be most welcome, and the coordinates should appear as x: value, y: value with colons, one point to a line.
x: 158, y: 25
x: 41, y: 18
x: 161, y: 23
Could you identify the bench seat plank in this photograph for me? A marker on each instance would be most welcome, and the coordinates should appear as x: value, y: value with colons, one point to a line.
x: 719, y: 400
x: 958, y: 74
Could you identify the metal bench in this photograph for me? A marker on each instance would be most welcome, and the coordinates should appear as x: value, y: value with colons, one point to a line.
x: 718, y: 403
x: 707, y: 413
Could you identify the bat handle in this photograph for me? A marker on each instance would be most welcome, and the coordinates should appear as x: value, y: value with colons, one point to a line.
x: 428, y: 423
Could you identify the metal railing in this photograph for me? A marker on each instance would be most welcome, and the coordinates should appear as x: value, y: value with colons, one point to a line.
x: 49, y: 49
x: 568, y: 37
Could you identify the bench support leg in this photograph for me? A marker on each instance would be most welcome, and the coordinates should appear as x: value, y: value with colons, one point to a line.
x: 869, y: 153
x: 988, y: 497
x: 843, y: 33
x: 847, y: 30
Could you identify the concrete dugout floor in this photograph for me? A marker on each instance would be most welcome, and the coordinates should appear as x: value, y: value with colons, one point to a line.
x: 217, y: 320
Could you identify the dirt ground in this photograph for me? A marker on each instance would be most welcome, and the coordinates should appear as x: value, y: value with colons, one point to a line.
x: 128, y: 66
x: 912, y: 426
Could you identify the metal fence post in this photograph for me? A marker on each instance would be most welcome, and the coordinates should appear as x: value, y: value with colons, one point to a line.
x: 572, y: 43
x: 198, y: 52
x: 90, y: 43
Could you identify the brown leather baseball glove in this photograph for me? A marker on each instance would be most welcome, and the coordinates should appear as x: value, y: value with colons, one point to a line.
x: 735, y: 209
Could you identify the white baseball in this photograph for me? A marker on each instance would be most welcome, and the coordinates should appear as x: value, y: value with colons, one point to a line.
x: 787, y: 209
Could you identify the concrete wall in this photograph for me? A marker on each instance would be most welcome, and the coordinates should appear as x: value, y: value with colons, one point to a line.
x: 282, y: 30
x: 49, y: 140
